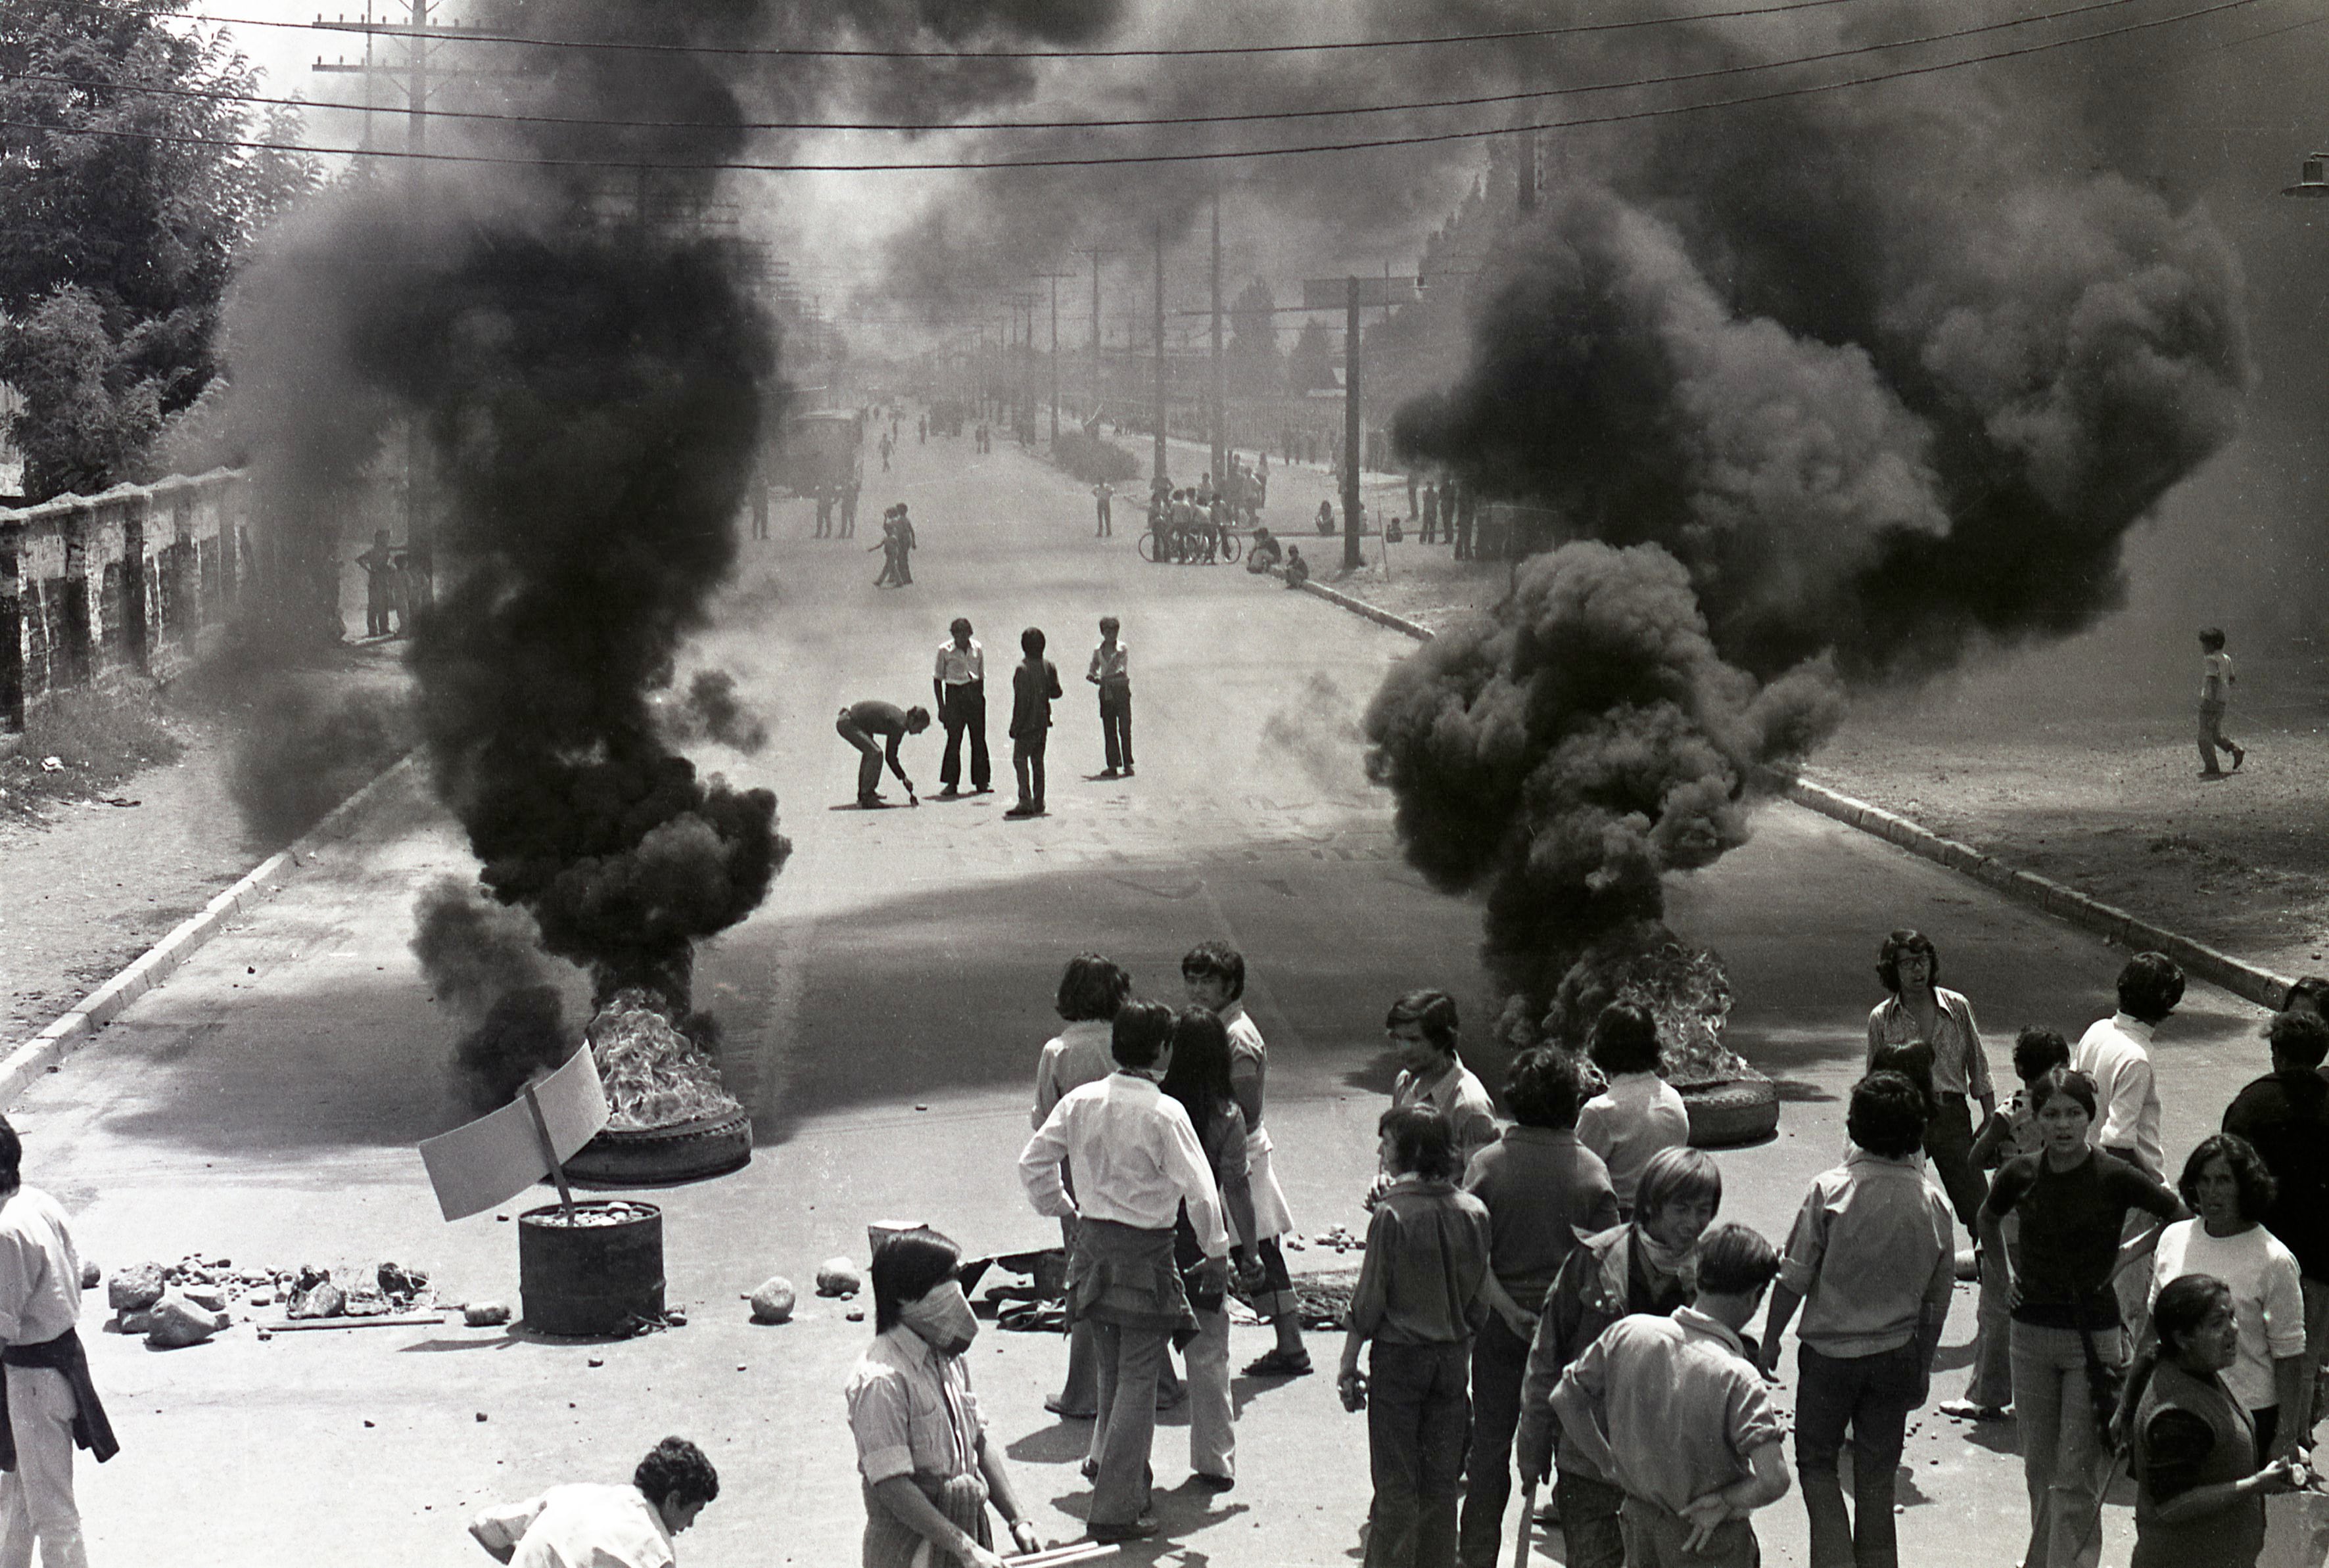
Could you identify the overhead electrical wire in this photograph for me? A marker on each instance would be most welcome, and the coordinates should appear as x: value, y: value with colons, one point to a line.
x: 1614, y: 117
x: 837, y: 52
x: 1484, y: 101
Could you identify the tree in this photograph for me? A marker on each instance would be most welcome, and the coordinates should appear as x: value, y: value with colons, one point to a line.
x: 1256, y: 367
x: 124, y: 222
x: 1312, y: 362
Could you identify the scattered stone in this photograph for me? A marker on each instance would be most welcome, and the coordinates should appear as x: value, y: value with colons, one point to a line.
x: 261, y: 1298
x: 89, y: 1275
x: 396, y: 1280
x: 596, y: 1360
x: 481, y: 1415
x: 135, y: 1322
x: 855, y: 1314
x: 136, y: 1288
x: 320, y: 1299
x: 367, y: 1424
x: 773, y: 1303
x: 838, y: 1277
x: 675, y: 1317
x: 210, y: 1298
x: 177, y: 1323
x: 484, y: 1315
x: 364, y: 1301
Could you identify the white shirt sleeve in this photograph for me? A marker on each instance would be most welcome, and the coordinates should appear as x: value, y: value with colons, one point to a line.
x: 499, y: 1529
x: 2129, y: 1088
x: 2283, y: 1306
x: 1039, y: 1168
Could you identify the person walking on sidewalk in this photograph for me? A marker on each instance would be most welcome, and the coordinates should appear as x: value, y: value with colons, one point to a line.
x: 1420, y: 1296
x: 923, y: 1452
x: 1675, y: 1410
x: 1872, y: 1261
x: 1111, y: 671
x: 603, y: 1525
x: 50, y: 1402
x: 858, y: 723
x: 959, y: 685
x: 1543, y: 1189
x: 1137, y: 1161
x: 1034, y: 687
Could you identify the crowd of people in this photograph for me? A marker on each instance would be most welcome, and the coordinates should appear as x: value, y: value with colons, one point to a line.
x: 1551, y: 1293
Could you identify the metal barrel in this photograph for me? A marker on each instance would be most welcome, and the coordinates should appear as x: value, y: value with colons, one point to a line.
x: 589, y: 1279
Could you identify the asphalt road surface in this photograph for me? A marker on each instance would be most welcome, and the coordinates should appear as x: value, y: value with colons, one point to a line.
x: 882, y: 1012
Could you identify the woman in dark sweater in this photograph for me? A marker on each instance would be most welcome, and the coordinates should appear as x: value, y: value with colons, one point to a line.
x: 2199, y: 1500
x: 2067, y: 1342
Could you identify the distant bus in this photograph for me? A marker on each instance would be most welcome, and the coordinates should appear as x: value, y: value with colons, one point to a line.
x: 822, y: 448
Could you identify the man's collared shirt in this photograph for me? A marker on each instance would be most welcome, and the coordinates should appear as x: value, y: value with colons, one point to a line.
x: 1960, y: 1063
x: 1112, y: 666
x: 1628, y: 1123
x: 1137, y: 1161
x: 40, y: 1271
x: 2116, y: 1053
x: 586, y: 1525
x: 1427, y: 1254
x: 1679, y: 1401
x: 1544, y: 1190
x: 1455, y: 1094
x: 961, y: 666
x: 1873, y: 1255
x: 911, y: 1410
x: 1080, y: 1054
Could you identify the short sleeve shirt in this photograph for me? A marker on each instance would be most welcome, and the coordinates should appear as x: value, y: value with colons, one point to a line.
x: 586, y: 1525
x: 911, y: 1410
x: 1680, y: 1402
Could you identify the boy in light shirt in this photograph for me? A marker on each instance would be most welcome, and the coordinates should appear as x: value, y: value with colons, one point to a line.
x: 1639, y: 1113
x: 2217, y: 679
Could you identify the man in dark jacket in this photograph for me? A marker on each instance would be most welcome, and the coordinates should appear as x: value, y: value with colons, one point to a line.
x: 2286, y: 1115
x: 1034, y: 687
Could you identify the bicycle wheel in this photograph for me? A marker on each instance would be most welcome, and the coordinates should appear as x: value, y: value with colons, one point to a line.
x: 1231, y: 546
x: 1147, y: 546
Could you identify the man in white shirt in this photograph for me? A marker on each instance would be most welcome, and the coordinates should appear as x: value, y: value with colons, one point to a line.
x: 2116, y: 1053
x: 1137, y: 1161
x: 51, y: 1405
x: 959, y: 685
x: 589, y: 1524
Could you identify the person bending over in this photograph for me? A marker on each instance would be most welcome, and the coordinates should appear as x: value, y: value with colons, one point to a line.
x: 858, y: 725
x: 603, y: 1525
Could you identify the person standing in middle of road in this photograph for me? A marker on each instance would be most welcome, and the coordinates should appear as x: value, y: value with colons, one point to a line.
x: 1034, y: 687
x: 1423, y: 1030
x: 1111, y: 671
x: 1137, y: 1160
x: 1921, y: 1009
x: 2115, y: 1054
x: 905, y: 547
x: 959, y: 685
x: 1102, y: 494
x: 849, y: 508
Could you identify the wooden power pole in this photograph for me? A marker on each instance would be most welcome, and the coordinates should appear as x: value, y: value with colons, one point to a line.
x: 1159, y: 458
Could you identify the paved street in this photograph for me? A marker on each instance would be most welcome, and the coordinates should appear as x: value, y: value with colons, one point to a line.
x: 883, y: 1009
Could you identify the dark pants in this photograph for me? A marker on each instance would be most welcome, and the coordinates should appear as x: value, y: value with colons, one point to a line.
x: 1106, y: 526
x: 1129, y: 1361
x: 869, y: 760
x: 1655, y: 1538
x: 1418, y: 1418
x: 1590, y: 1527
x: 1027, y: 763
x: 1869, y: 1396
x: 1499, y: 1361
x: 963, y: 708
x: 1115, y: 724
x: 1948, y: 1144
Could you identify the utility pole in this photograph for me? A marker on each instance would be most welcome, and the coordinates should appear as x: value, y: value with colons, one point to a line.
x: 1219, y: 398
x: 1159, y: 460
x: 1351, y: 429
x: 1055, y: 280
x: 1095, y: 252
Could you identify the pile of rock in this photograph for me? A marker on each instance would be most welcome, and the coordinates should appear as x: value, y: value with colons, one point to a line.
x: 186, y: 1302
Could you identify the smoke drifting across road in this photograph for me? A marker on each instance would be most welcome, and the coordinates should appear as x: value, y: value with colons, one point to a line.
x: 1858, y: 389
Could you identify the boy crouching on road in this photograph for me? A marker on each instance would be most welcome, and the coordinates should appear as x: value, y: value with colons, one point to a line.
x: 1674, y: 1409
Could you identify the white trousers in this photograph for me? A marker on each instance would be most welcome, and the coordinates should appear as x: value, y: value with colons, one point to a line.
x: 36, y: 1499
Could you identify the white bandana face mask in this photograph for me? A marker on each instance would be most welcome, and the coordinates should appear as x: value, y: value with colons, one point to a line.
x: 943, y: 1318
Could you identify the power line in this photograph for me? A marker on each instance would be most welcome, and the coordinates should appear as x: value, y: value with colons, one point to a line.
x: 1612, y: 117
x: 1484, y: 101
x: 827, y: 52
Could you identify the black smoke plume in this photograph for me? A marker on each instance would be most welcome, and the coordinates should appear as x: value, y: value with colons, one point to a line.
x: 1563, y: 755
x: 485, y: 962
x: 712, y: 710
x: 1859, y: 388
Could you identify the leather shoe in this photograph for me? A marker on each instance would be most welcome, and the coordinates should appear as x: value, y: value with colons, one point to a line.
x: 1139, y: 1529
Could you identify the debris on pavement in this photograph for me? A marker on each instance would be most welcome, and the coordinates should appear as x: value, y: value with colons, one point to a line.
x: 773, y: 1302
x: 838, y: 1277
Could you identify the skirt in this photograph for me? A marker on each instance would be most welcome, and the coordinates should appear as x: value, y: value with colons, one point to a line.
x: 1271, y: 1216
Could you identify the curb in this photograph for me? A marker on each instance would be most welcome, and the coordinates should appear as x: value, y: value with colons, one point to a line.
x: 2109, y: 921
x: 53, y: 1043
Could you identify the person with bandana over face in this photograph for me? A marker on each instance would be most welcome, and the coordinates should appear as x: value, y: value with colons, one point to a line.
x: 928, y: 1471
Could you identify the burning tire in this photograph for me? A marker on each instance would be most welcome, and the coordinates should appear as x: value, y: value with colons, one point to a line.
x: 662, y: 1156
x: 1735, y: 1112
